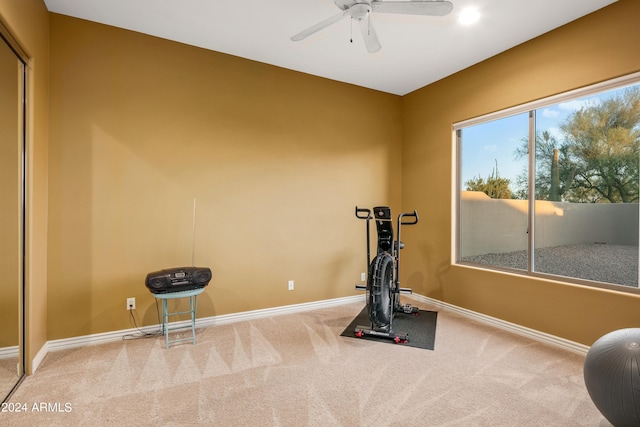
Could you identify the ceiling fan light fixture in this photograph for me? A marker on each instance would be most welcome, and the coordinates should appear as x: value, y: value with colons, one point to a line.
x: 468, y: 16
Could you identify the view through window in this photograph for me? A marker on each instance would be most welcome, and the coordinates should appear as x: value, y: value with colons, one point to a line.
x: 552, y: 188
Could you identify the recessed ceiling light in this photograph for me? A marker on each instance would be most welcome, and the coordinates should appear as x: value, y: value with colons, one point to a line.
x: 468, y: 16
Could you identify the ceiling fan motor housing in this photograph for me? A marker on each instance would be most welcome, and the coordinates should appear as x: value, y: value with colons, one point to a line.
x: 360, y: 11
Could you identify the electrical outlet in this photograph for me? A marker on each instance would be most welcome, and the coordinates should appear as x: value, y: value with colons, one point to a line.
x: 290, y: 285
x: 131, y: 303
x: 363, y: 277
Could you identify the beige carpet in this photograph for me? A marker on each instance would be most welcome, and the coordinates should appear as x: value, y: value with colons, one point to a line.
x: 296, y: 370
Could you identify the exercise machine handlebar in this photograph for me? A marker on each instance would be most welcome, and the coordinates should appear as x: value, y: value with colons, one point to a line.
x: 401, y: 222
x: 360, y: 211
x: 413, y: 215
x: 368, y: 217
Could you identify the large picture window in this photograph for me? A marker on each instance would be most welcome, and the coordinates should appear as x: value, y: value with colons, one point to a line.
x: 551, y: 188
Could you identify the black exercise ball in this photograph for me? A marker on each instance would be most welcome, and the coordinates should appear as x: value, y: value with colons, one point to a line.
x: 612, y: 376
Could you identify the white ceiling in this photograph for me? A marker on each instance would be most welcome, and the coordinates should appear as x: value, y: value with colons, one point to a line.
x: 416, y: 50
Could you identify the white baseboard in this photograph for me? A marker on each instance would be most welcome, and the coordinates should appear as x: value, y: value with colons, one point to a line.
x: 9, y: 352
x: 35, y: 363
x: 94, y: 339
x: 543, y: 337
x: 275, y: 311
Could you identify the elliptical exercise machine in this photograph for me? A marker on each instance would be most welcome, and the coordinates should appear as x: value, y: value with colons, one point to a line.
x: 383, y: 282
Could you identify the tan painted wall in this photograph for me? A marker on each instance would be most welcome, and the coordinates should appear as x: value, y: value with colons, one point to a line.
x: 28, y: 21
x: 276, y: 160
x: 597, y: 47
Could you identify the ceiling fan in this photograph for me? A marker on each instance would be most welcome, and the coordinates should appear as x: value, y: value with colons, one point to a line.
x: 361, y: 11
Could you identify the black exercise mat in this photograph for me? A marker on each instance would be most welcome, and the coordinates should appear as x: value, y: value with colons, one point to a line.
x: 420, y: 329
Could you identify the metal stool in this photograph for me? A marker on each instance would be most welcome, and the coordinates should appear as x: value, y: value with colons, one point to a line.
x: 193, y: 298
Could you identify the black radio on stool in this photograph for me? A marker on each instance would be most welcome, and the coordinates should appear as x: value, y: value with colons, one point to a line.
x: 178, y: 279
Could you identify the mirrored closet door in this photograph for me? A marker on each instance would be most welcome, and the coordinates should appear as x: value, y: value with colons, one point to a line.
x: 12, y: 208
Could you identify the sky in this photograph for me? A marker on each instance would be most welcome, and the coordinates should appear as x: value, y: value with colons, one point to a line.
x: 487, y: 143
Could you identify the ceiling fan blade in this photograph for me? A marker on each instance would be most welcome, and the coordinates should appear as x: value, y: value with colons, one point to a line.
x: 369, y: 34
x: 319, y: 26
x: 417, y: 7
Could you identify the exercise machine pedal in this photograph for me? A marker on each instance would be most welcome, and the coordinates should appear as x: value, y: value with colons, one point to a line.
x: 409, y: 309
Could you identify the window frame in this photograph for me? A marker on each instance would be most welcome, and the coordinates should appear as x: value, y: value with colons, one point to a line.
x: 529, y: 108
